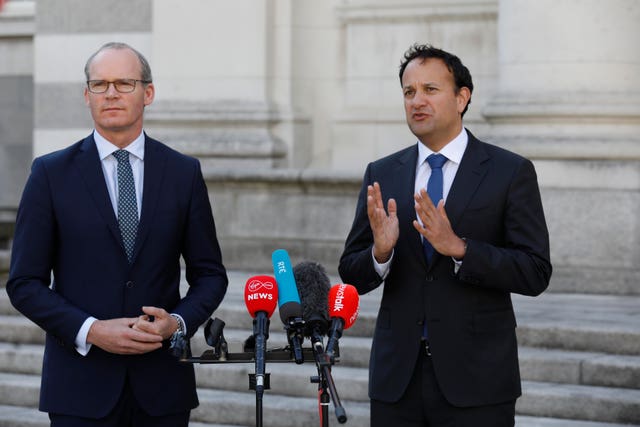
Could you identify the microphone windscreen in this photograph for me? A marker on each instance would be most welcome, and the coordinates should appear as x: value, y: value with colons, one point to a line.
x: 313, y: 287
x: 344, y: 303
x: 261, y: 294
x: 288, y: 297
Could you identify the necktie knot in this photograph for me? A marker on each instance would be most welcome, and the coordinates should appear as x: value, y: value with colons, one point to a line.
x: 121, y: 155
x: 436, y: 161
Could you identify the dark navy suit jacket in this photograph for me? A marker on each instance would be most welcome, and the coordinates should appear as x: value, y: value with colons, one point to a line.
x: 68, y: 262
x: 494, y: 202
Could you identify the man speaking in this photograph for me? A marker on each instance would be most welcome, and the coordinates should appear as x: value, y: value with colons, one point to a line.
x: 451, y: 226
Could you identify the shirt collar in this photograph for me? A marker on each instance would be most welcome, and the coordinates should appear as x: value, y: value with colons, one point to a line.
x: 453, y: 151
x: 105, y: 148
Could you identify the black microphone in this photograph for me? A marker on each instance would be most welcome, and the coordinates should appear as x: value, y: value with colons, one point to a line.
x: 313, y: 286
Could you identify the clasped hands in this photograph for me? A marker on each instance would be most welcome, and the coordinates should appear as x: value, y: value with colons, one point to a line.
x: 133, y: 335
x: 435, y: 226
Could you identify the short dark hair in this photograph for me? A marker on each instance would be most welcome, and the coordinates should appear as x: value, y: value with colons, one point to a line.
x: 145, y: 69
x: 461, y: 74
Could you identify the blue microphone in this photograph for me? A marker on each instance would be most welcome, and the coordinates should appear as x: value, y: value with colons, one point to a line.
x: 289, y: 301
x: 288, y: 296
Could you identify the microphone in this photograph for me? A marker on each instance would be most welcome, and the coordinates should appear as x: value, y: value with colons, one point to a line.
x: 313, y: 286
x: 289, y: 301
x: 344, y: 303
x: 260, y: 297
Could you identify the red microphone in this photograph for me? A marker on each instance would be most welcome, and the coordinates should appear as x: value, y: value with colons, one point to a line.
x: 344, y: 304
x: 261, y: 294
x: 261, y: 298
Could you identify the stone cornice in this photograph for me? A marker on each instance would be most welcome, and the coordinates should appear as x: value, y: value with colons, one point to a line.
x: 305, y: 177
x: 593, y: 108
x: 234, y: 111
x: 376, y: 10
x: 220, y: 111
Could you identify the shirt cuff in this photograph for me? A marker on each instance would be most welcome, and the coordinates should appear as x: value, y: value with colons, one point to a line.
x: 82, y: 346
x: 457, y: 263
x: 382, y: 269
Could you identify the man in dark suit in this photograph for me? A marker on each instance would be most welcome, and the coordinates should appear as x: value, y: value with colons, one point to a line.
x: 444, y: 350
x: 99, y: 234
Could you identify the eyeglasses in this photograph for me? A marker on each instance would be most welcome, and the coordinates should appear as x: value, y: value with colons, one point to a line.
x: 122, y: 85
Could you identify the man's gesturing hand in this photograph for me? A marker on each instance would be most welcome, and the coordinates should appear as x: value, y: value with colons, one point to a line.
x: 384, y: 225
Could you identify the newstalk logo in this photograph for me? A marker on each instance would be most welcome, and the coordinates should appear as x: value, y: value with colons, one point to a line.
x: 338, y: 302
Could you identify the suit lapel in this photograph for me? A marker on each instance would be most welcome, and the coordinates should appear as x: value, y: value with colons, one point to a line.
x: 88, y: 163
x: 471, y: 172
x: 154, y: 165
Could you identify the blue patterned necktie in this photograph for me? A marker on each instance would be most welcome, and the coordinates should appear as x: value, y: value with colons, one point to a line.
x: 434, y: 189
x: 127, y: 204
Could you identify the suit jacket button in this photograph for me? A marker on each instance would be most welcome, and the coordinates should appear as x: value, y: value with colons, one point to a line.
x: 129, y: 284
x: 429, y: 278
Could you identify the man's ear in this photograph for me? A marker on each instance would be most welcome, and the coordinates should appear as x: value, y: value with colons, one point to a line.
x: 463, y: 97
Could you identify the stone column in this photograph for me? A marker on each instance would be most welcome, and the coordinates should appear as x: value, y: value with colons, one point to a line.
x: 214, y: 62
x: 568, y: 72
x: 568, y: 97
x: 17, y: 23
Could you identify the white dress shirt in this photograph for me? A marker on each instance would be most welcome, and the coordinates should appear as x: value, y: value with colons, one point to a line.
x: 110, y: 171
x: 453, y: 151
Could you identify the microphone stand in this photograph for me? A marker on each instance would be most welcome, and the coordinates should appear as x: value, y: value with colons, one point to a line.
x: 324, y: 379
x: 214, y: 335
x: 295, y: 337
x: 260, y: 380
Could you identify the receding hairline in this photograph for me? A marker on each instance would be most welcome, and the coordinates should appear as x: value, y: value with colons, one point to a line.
x: 145, y: 69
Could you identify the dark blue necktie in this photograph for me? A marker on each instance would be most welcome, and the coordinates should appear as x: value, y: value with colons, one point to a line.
x: 434, y: 189
x: 127, y: 204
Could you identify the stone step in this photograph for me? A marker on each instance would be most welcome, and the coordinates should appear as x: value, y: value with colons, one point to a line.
x: 600, y: 323
x: 5, y: 258
x: 579, y: 356
x: 286, y: 379
x: 17, y: 416
x: 578, y: 322
x: 537, y: 364
x: 590, y: 323
x: 581, y: 368
x: 20, y: 330
x: 539, y: 399
x: 526, y: 421
x: 216, y: 406
x: 281, y: 411
x: 604, y: 404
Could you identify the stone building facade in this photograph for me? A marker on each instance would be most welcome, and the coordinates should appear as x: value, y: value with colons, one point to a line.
x: 285, y: 102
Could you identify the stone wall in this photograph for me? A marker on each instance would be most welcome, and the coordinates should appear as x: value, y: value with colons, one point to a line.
x: 309, y: 213
x: 16, y: 105
x: 285, y: 106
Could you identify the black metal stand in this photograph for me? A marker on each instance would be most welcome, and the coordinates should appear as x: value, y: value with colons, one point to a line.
x: 219, y: 354
x: 324, y: 379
